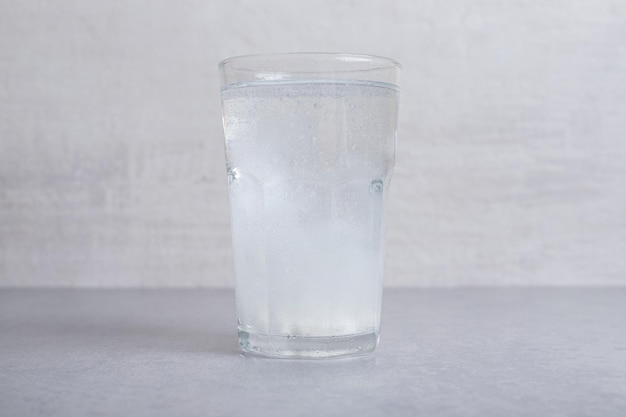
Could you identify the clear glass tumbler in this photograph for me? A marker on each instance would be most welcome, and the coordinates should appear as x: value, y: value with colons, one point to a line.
x: 310, y: 145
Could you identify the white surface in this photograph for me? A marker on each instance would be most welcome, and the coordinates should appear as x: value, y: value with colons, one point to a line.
x: 447, y: 352
x: 511, y: 151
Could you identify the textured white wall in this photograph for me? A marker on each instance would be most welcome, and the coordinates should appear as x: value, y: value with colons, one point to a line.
x: 511, y: 165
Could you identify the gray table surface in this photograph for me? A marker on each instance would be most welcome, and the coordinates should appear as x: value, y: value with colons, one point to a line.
x: 443, y: 352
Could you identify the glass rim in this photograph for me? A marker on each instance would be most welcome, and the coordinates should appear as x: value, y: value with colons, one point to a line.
x: 384, y: 62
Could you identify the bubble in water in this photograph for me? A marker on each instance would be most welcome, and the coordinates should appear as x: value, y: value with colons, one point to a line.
x: 376, y: 186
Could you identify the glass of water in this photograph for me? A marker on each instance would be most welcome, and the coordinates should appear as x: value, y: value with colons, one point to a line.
x: 310, y: 144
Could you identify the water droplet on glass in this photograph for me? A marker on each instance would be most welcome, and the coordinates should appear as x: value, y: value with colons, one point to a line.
x: 233, y: 175
x: 376, y: 186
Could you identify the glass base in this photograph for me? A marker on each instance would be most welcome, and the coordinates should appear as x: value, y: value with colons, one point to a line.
x: 298, y: 347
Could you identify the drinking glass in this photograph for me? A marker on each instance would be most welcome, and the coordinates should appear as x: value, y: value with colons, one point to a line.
x: 310, y: 145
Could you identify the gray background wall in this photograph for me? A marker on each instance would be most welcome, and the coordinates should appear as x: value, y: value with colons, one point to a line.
x: 511, y: 156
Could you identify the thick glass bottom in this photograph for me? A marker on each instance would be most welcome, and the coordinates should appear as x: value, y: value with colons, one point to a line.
x: 297, y: 347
